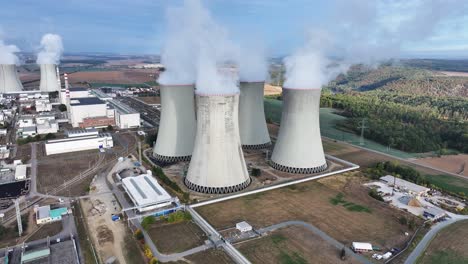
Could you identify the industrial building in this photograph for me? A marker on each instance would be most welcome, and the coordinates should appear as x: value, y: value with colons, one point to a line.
x: 434, y: 213
x: 50, y: 253
x: 243, y: 226
x: 252, y: 123
x: 217, y: 165
x: 90, y: 112
x: 66, y: 145
x: 49, y: 78
x: 146, y: 193
x: 125, y: 116
x: 9, y: 80
x: 78, y: 92
x: 46, y: 215
x: 177, y: 125
x: 20, y: 172
x: 406, y: 186
x: 298, y: 148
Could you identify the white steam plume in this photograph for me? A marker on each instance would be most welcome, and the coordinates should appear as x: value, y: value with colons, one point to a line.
x: 252, y: 63
x: 195, y: 49
x: 51, y: 49
x: 7, y: 53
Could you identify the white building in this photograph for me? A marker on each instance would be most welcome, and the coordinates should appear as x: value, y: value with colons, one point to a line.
x: 25, y: 121
x: 47, y: 127
x: 81, y: 132
x: 66, y: 145
x: 401, y: 184
x: 362, y: 247
x: 78, y: 92
x: 90, y: 112
x: 29, y: 131
x: 243, y: 226
x: 46, y: 215
x: 43, y: 118
x: 43, y: 105
x: 146, y: 193
x: 3, y: 131
x: 20, y: 172
x: 125, y: 116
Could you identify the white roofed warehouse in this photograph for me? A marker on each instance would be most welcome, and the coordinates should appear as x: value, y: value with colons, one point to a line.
x: 146, y: 193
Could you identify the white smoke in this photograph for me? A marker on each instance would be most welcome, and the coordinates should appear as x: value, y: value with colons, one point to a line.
x: 7, y: 53
x: 196, y: 47
x: 252, y: 63
x: 51, y: 49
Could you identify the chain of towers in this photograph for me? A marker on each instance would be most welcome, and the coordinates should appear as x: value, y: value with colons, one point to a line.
x: 10, y: 82
x: 210, y: 131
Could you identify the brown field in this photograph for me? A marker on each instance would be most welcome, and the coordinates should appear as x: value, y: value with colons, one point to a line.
x: 54, y: 170
x: 46, y: 230
x: 451, y: 73
x: 311, y: 202
x: 23, y: 152
x: 150, y: 99
x: 117, y: 77
x: 210, y: 256
x: 448, y: 246
x: 291, y: 243
x: 272, y: 90
x: 452, y: 163
x: 178, y: 237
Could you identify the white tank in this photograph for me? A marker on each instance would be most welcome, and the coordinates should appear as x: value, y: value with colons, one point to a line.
x: 252, y: 123
x: 298, y: 148
x: 217, y: 164
x: 9, y: 80
x: 177, y: 124
x: 48, y: 78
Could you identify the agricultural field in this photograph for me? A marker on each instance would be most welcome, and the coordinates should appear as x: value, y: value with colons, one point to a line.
x: 126, y: 76
x: 177, y: 237
x: 291, y: 245
x: 272, y: 89
x: 448, y: 246
x: 450, y: 163
x: 210, y: 256
x: 338, y: 205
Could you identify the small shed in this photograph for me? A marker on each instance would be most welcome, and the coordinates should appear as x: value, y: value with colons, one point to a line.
x: 243, y: 226
x: 434, y: 213
x: 362, y: 247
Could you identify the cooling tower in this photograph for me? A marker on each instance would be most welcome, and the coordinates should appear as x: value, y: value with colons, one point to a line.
x: 48, y: 78
x: 176, y: 133
x: 9, y: 80
x: 298, y: 148
x: 217, y: 164
x: 252, y: 125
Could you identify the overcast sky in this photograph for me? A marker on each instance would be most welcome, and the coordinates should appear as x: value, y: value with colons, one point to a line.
x: 137, y: 26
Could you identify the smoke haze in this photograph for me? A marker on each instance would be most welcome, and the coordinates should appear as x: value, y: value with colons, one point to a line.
x: 51, y: 49
x: 252, y: 63
x: 7, y: 53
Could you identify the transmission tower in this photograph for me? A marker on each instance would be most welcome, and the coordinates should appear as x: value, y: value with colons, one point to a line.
x: 362, y: 126
x: 18, y: 217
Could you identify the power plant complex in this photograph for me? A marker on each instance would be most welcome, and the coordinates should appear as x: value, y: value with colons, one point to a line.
x: 177, y: 124
x: 217, y: 164
x: 298, y: 148
x: 252, y: 123
x: 9, y: 80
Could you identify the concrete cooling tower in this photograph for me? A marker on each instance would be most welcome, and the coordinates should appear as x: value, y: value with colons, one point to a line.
x: 298, y: 148
x: 217, y: 164
x: 252, y: 123
x: 9, y: 80
x: 48, y: 78
x: 176, y: 133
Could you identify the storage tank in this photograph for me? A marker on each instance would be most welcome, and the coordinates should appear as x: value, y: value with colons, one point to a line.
x: 252, y: 124
x: 217, y: 164
x: 9, y: 80
x: 298, y: 148
x: 177, y: 124
x: 49, y: 78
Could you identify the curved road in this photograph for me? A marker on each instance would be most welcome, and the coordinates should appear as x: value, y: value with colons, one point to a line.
x: 318, y: 232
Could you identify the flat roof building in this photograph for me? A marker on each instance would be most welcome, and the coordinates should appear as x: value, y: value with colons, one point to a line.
x: 90, y: 112
x: 20, y: 172
x: 434, y: 213
x: 146, y: 193
x: 405, y: 185
x: 72, y: 144
x: 125, y: 116
x: 243, y: 226
x: 46, y: 215
x: 362, y: 247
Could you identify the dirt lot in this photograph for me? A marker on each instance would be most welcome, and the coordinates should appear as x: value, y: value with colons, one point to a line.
x: 291, y: 245
x: 23, y: 152
x: 178, y: 237
x: 448, y: 246
x: 312, y: 202
x: 210, y: 256
x: 452, y: 163
x: 54, y: 170
x: 150, y: 99
x: 127, y: 76
x: 46, y: 230
x: 272, y: 90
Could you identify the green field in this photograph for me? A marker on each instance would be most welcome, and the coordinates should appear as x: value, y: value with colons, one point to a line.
x: 328, y: 121
x: 449, y: 183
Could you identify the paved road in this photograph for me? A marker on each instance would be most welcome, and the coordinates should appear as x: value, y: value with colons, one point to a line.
x: 318, y: 232
x: 421, y: 247
x: 33, y: 183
